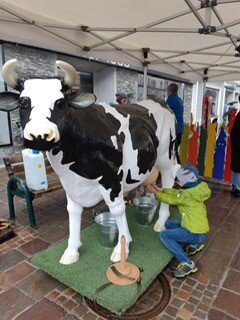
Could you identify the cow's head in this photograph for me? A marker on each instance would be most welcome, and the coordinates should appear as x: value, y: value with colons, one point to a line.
x: 43, y: 103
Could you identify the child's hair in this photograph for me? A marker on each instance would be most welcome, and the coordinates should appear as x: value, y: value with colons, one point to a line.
x: 188, y: 175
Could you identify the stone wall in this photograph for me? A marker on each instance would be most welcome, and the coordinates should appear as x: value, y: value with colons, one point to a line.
x: 32, y: 62
x: 187, y: 100
x: 127, y: 82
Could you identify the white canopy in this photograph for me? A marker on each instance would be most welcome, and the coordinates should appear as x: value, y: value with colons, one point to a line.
x: 192, y: 39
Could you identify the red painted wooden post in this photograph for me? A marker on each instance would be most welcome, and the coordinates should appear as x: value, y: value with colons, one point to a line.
x: 227, y: 169
x: 193, y: 145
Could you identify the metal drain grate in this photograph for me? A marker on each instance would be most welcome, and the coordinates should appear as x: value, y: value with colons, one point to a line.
x: 6, y: 231
x: 150, y: 304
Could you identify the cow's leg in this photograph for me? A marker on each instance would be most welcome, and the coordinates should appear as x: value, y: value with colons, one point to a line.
x: 71, y: 254
x: 168, y: 170
x: 117, y: 208
x: 120, y: 216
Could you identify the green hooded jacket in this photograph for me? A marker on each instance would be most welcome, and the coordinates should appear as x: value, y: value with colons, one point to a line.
x: 191, y: 205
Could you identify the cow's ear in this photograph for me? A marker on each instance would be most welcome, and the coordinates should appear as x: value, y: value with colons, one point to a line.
x: 8, y: 101
x: 81, y: 101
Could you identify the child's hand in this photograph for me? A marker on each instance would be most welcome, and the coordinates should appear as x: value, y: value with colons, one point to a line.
x: 153, y: 188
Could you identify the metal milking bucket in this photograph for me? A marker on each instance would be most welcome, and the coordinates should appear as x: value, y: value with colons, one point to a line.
x: 106, y: 227
x: 145, y: 209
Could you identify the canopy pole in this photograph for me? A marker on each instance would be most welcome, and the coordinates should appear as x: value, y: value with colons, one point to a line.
x: 39, y: 26
x: 208, y: 12
x: 149, y: 25
x: 205, y: 79
x: 226, y: 29
x: 195, y: 12
x: 226, y: 1
x: 145, y: 71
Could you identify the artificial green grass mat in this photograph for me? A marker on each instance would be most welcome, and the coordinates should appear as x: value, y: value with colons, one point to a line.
x: 89, y: 273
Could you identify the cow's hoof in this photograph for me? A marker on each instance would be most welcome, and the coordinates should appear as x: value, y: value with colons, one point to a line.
x: 69, y: 257
x: 116, y: 255
x: 158, y: 227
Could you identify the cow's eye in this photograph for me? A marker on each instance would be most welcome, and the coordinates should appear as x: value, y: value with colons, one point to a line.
x: 24, y: 102
x: 60, y: 103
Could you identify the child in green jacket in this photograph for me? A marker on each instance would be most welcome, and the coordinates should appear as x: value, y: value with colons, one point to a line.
x: 194, y: 223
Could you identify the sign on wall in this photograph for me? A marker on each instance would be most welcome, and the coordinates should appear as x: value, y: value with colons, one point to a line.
x: 5, y: 137
x: 5, y: 132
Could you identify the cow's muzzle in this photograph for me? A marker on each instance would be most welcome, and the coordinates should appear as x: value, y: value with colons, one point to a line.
x: 40, y: 131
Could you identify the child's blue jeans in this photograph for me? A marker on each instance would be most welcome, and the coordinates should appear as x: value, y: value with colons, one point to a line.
x: 175, y: 234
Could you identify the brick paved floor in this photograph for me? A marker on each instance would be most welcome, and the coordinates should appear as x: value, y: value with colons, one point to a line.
x: 28, y: 293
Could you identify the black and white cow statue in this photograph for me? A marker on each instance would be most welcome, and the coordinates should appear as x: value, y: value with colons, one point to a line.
x: 98, y: 152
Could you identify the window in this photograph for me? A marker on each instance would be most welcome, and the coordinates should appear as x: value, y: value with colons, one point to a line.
x: 5, y: 126
x: 229, y: 97
x: 157, y: 87
x: 85, y: 82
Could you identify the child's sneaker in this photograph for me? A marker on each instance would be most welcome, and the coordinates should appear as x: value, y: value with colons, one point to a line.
x: 192, y: 249
x: 184, y: 269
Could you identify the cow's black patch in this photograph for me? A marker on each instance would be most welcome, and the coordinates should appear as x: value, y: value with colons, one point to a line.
x: 39, y: 144
x: 129, y: 179
x: 143, y: 129
x: 172, y: 144
x: 116, y: 186
x: 175, y: 144
x: 86, y: 143
x: 24, y: 110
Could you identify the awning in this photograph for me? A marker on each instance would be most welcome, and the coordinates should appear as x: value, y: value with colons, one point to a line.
x: 197, y: 40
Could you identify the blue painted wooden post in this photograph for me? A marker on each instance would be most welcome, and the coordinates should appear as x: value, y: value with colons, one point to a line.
x: 219, y: 156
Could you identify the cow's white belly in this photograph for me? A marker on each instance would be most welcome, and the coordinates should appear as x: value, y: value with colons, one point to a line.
x: 83, y: 191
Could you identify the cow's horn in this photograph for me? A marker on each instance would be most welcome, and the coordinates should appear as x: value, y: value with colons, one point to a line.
x: 8, y: 74
x: 70, y: 73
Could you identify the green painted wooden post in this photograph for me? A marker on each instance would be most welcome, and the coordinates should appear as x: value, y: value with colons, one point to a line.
x: 202, y: 150
x: 184, y: 145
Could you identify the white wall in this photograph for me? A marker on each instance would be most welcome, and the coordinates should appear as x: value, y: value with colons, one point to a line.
x: 197, y: 98
x: 104, y: 84
x: 220, y: 86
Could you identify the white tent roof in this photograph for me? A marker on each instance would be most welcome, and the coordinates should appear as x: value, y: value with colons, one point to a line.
x: 173, y: 30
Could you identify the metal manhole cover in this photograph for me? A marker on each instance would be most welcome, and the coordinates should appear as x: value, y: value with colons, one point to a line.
x: 151, y: 303
x: 6, y: 231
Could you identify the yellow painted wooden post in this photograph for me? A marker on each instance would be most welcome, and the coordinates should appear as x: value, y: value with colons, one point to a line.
x: 184, y: 145
x: 209, y: 159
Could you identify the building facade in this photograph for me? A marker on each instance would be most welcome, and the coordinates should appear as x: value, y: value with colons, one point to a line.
x: 104, y: 80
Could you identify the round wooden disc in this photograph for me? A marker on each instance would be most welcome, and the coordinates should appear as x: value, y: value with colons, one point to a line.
x: 133, y: 273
